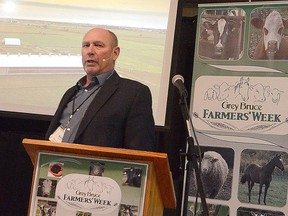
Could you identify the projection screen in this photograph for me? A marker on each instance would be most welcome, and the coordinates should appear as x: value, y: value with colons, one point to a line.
x: 40, y: 48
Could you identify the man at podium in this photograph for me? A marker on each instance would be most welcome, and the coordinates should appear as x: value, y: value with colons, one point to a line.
x: 104, y: 109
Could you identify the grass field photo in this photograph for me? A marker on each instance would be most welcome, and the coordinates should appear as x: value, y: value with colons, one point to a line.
x: 40, y: 88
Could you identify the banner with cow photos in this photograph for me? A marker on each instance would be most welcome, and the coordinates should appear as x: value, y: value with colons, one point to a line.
x: 239, y: 108
x: 77, y: 186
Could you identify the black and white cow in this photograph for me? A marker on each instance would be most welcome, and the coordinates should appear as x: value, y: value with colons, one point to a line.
x: 221, y: 36
x: 272, y: 45
x: 128, y: 210
x: 47, y: 210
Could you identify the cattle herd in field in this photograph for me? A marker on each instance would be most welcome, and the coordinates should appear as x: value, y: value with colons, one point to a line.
x: 222, y: 35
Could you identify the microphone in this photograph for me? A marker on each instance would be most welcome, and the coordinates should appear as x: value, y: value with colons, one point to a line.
x: 178, y: 81
x: 105, y: 59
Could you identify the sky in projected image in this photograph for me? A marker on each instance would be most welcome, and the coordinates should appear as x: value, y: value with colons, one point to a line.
x: 135, y: 13
x: 47, y: 59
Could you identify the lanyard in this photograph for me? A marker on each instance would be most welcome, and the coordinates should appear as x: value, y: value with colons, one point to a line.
x: 73, y: 103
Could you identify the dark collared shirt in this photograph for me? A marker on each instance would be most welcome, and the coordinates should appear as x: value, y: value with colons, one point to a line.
x: 75, y: 110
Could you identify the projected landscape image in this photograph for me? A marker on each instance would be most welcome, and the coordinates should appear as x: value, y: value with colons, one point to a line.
x: 39, y: 37
x: 40, y: 48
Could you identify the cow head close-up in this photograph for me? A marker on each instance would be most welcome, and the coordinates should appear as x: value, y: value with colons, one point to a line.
x: 272, y: 41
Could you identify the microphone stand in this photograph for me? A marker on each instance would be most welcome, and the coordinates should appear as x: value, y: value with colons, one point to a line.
x: 192, y: 156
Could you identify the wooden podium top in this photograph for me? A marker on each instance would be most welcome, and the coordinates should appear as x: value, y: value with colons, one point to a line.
x: 159, y: 160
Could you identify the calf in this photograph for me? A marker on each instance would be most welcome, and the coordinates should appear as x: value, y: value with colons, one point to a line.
x: 272, y: 45
x: 257, y: 93
x: 96, y: 168
x: 46, y: 188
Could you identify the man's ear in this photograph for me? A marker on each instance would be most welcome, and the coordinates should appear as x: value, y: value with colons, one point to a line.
x: 116, y: 52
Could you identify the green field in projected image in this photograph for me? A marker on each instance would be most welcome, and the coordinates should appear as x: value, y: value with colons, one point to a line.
x: 140, y: 48
x: 141, y: 58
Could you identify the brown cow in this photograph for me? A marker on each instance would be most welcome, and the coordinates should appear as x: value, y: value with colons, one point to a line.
x: 272, y: 45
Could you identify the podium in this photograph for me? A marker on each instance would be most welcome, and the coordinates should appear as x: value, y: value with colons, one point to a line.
x: 76, y: 179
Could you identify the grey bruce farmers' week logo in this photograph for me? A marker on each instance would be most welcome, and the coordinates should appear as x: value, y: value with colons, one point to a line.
x: 240, y: 104
x: 89, y: 193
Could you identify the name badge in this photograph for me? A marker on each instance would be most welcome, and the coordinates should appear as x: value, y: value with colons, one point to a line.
x: 57, y: 135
